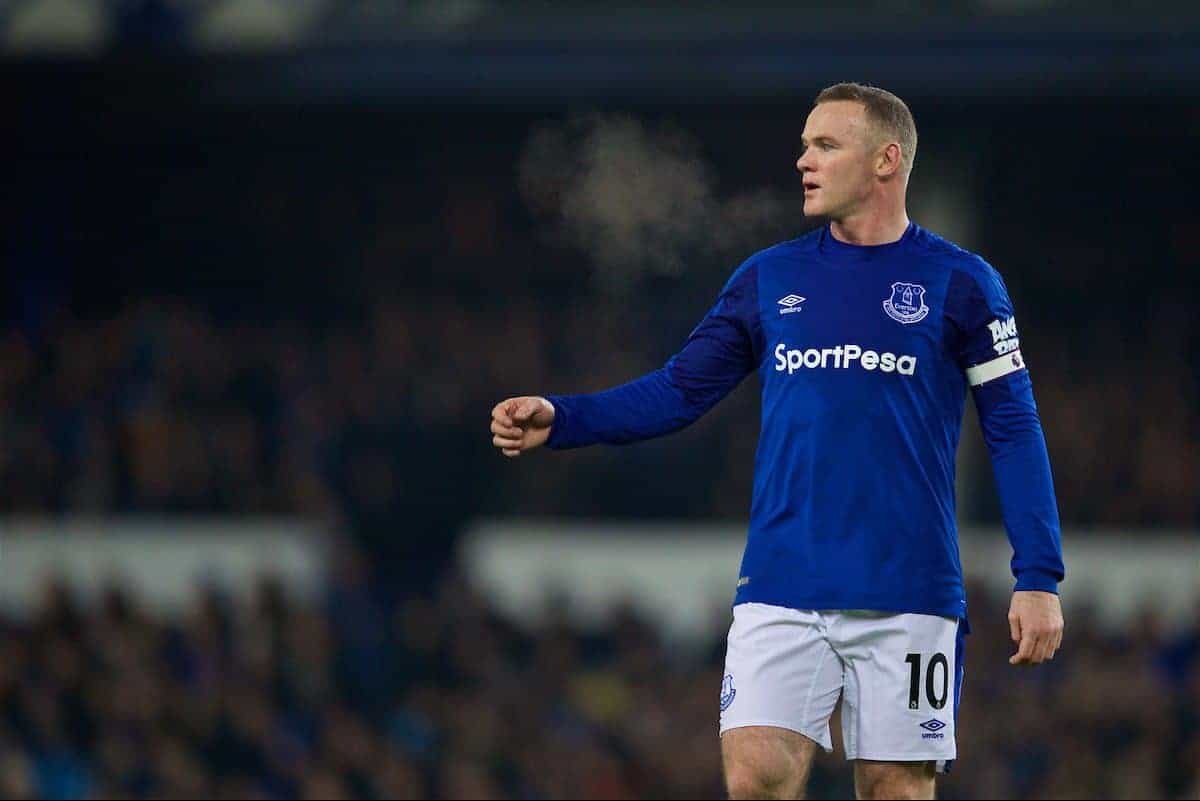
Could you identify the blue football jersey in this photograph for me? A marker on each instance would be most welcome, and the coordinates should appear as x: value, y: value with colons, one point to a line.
x: 865, y: 354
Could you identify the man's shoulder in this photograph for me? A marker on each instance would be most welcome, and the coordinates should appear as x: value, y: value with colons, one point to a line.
x: 953, y: 256
x: 787, y: 250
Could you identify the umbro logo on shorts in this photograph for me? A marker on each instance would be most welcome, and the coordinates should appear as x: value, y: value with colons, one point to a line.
x: 932, y: 728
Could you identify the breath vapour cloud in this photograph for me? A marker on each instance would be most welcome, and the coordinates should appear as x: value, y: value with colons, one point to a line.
x: 638, y: 200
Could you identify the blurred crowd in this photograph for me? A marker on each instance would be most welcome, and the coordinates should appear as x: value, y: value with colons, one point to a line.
x: 162, y: 408
x: 300, y: 326
x: 364, y: 694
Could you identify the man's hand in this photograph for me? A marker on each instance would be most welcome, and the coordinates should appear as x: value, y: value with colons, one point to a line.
x: 1036, y: 621
x: 521, y: 424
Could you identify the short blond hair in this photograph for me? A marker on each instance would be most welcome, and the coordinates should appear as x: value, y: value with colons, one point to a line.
x: 886, y: 112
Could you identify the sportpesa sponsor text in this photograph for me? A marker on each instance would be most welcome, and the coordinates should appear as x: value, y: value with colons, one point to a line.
x: 841, y: 357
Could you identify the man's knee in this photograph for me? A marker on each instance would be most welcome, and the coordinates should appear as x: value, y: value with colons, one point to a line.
x: 748, y: 785
x: 897, y: 780
x: 764, y: 762
x: 759, y: 781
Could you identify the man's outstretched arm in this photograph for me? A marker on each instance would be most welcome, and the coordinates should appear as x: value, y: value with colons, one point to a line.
x: 718, y: 354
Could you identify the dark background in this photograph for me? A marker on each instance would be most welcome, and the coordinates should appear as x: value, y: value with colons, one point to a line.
x: 292, y: 279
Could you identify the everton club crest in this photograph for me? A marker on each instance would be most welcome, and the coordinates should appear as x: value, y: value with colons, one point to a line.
x: 727, y: 692
x: 907, y: 303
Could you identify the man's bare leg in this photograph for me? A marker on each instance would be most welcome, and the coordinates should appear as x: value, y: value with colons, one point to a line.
x: 766, y: 762
x: 894, y: 779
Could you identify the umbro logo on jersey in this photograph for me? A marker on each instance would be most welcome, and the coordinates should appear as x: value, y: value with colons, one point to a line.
x: 790, y: 304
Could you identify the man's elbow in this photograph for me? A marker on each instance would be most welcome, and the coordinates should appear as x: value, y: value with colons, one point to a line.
x: 1013, y: 431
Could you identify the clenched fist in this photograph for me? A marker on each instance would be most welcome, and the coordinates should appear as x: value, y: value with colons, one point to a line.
x: 521, y: 424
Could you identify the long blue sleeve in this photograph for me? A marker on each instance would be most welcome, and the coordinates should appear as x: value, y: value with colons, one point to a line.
x: 1013, y: 432
x: 984, y: 333
x: 718, y: 354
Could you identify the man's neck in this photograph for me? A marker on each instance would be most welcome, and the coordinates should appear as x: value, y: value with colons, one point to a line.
x: 870, y: 227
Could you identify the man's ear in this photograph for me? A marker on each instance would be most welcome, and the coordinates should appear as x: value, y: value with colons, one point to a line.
x: 890, y: 160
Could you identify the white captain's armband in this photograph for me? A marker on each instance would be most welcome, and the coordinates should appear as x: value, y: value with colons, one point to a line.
x: 996, y: 368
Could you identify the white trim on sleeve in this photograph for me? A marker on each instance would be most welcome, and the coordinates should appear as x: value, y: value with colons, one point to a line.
x: 996, y: 368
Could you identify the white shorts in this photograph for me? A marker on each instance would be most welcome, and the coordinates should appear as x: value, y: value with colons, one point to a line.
x: 899, y: 677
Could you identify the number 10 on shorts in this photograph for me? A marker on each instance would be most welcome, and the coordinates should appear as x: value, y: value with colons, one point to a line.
x: 936, y: 673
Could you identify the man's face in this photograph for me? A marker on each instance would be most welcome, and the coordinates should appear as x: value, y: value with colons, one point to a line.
x: 838, y: 151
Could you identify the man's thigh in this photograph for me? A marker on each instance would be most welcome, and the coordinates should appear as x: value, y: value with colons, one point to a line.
x: 903, y: 674
x: 894, y: 779
x: 780, y: 671
x: 766, y: 762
